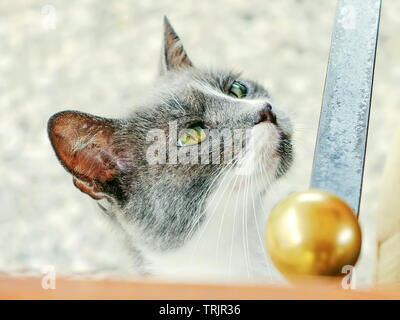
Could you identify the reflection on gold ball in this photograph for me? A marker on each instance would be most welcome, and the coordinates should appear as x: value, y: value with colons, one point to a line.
x: 313, y: 233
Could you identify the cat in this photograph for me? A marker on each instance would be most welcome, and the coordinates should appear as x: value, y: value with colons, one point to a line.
x: 180, y: 216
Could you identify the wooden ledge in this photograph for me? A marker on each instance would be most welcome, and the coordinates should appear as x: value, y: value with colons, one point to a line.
x: 30, y: 288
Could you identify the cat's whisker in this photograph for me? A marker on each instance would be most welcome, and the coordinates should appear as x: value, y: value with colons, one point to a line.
x: 261, y: 198
x: 266, y: 180
x: 246, y: 213
x: 212, y: 214
x: 206, y: 193
x: 200, y: 207
x: 233, y: 232
x: 245, y: 225
x: 227, y: 171
x: 267, y: 176
x: 222, y: 219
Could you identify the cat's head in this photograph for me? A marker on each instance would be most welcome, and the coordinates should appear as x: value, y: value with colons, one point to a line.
x: 158, y: 167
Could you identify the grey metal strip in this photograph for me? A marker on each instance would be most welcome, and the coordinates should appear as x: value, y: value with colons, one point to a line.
x: 343, y: 127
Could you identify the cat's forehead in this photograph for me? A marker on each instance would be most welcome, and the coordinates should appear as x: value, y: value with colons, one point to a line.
x: 193, y: 95
x: 194, y: 78
x: 193, y: 86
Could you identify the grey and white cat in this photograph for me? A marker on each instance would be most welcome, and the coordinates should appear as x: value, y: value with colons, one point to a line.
x: 183, y: 218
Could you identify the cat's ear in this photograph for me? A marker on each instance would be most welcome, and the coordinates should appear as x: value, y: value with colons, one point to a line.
x: 86, y: 147
x: 173, y: 55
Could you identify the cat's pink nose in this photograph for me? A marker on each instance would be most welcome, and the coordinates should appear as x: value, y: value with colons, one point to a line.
x: 266, y: 114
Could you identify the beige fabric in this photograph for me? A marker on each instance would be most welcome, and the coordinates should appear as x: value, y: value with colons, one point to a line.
x: 388, y: 267
x: 388, y: 219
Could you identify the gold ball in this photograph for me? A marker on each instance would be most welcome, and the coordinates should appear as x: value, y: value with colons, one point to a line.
x: 313, y: 233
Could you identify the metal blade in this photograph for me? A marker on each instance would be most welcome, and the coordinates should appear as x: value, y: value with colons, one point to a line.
x: 343, y: 127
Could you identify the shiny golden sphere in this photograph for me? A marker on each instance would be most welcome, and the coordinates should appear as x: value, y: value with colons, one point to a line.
x: 313, y: 233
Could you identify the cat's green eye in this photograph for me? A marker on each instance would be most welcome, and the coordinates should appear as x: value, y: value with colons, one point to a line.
x: 238, y: 90
x: 191, y: 136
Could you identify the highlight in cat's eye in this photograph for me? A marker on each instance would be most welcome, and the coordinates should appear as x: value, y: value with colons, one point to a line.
x: 191, y: 136
x: 238, y: 90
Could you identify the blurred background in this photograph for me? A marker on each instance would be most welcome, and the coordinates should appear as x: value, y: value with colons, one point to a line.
x: 102, y: 57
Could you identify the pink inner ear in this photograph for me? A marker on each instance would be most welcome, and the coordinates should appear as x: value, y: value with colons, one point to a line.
x: 83, y: 143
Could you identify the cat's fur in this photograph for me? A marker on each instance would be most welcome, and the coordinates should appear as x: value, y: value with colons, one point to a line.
x: 181, y: 219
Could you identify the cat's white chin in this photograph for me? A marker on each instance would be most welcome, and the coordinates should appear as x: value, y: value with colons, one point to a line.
x: 261, y: 155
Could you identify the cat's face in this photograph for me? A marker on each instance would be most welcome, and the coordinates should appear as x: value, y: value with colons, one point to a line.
x: 157, y: 168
